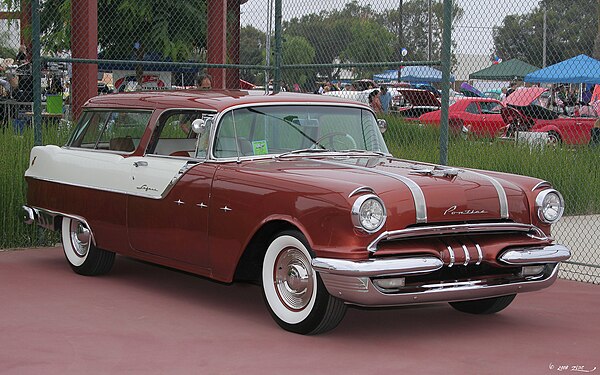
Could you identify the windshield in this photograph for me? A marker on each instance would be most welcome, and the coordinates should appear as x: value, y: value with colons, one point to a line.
x: 275, y: 130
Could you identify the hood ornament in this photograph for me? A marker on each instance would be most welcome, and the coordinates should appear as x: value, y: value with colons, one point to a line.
x: 437, y: 171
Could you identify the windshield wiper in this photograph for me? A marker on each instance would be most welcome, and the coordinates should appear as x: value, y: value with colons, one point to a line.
x: 304, y: 150
x: 357, y: 151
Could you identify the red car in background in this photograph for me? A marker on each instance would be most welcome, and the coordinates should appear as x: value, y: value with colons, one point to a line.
x: 411, y: 103
x: 526, y: 110
x: 480, y: 117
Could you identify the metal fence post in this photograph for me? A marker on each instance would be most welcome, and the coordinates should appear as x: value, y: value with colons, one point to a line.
x: 446, y: 44
x: 278, y: 46
x: 36, y: 67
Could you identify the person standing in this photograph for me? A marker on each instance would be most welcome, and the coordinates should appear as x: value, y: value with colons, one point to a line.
x: 374, y: 101
x: 204, y: 81
x: 386, y: 99
x: 21, y: 57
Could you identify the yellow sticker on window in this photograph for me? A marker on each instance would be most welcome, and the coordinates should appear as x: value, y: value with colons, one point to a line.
x: 260, y: 147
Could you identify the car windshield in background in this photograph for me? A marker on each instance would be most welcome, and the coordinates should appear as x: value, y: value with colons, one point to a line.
x: 274, y: 130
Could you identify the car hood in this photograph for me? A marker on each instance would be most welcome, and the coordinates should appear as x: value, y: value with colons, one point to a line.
x: 524, y: 96
x: 414, y: 193
x: 420, y: 98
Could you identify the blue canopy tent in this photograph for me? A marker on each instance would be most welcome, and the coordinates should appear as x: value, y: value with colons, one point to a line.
x: 578, y: 69
x: 419, y: 73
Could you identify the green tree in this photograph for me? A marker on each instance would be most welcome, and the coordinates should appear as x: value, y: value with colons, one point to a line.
x: 415, y: 27
x: 175, y: 29
x: 369, y: 42
x: 359, y: 34
x: 252, y: 47
x: 5, y: 49
x: 297, y: 50
x: 571, y: 30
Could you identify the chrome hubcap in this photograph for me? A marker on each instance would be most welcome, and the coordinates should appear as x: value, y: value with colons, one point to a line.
x: 293, y: 279
x: 80, y: 238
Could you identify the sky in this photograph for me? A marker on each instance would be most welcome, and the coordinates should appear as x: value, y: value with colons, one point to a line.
x: 473, y: 33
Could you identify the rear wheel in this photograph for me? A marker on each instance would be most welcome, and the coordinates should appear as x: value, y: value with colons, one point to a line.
x: 484, y: 306
x: 293, y: 291
x: 83, y: 257
x: 554, y: 138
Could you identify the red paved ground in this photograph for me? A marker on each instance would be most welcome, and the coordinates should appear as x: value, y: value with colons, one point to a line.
x: 143, y: 319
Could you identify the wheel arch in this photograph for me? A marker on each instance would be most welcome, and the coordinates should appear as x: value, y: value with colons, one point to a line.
x: 250, y: 263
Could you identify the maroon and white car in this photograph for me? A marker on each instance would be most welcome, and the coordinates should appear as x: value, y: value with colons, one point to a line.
x: 297, y: 193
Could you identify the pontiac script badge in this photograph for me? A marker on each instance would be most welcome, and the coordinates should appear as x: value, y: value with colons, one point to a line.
x: 452, y: 211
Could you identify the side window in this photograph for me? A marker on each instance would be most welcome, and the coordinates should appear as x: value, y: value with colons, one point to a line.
x: 174, y: 135
x: 110, y: 130
x: 490, y: 107
x: 472, y: 108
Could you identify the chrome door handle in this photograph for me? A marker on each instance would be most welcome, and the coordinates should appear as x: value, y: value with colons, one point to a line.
x: 140, y: 164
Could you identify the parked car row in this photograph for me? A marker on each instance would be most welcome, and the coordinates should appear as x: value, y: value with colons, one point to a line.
x: 522, y: 111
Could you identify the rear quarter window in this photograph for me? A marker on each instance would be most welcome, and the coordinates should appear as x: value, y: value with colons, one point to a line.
x: 118, y: 131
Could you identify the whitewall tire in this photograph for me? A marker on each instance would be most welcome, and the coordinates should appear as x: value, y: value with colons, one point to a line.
x: 83, y: 257
x: 292, y: 289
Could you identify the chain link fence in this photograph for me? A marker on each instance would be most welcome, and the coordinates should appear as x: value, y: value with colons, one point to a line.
x: 505, y: 112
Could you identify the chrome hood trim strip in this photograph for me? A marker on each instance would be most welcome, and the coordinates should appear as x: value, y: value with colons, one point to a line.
x: 415, y: 189
x: 501, y: 193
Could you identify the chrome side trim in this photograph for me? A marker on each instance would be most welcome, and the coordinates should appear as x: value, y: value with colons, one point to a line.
x: 452, y: 257
x: 527, y: 255
x: 352, y: 290
x: 415, y: 189
x: 377, y: 267
x: 428, y: 231
x: 479, y: 253
x: 362, y: 189
x: 501, y: 193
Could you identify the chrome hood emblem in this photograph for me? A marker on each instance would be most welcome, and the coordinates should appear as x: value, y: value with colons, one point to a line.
x: 453, y: 211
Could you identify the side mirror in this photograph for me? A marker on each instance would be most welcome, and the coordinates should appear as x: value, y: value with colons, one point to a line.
x: 198, y: 126
x: 382, y: 124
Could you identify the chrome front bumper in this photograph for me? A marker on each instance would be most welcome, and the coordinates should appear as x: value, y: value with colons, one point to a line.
x: 353, y: 281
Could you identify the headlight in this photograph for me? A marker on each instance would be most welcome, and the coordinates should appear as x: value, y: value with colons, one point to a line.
x: 550, y: 206
x: 368, y: 213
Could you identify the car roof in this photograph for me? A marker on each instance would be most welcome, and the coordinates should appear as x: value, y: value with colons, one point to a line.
x: 217, y: 100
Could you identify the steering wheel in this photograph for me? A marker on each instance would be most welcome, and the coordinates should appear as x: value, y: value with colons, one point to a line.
x: 333, y: 140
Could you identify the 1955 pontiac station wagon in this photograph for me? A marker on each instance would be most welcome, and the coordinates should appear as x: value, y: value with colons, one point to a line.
x: 295, y: 192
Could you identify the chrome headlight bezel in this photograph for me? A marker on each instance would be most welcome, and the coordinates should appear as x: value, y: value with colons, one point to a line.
x: 361, y: 204
x: 543, y: 202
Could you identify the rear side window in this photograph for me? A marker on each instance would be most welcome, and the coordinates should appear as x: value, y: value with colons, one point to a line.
x: 472, y: 108
x: 119, y: 131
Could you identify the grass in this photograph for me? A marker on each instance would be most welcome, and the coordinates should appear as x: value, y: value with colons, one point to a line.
x: 15, y: 150
x: 575, y: 172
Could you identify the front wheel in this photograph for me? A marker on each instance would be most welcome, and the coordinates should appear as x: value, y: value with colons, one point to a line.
x: 484, y: 306
x: 292, y: 289
x: 83, y: 257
